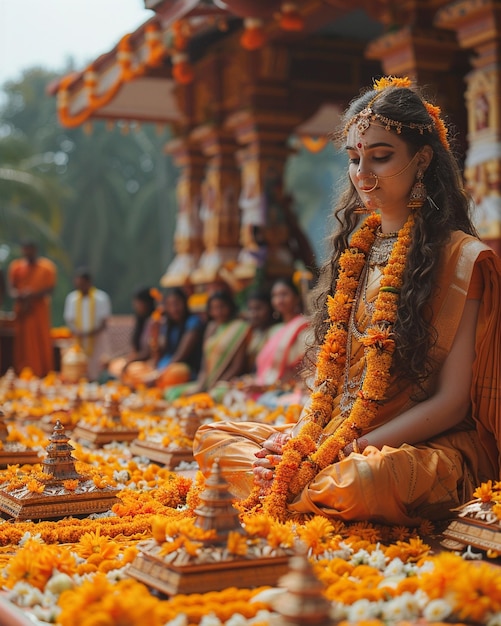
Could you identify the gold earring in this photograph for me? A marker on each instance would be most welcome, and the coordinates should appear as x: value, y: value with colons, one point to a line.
x: 418, y: 192
x: 361, y: 209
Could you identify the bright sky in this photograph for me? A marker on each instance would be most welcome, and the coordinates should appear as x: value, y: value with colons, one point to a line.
x: 46, y: 33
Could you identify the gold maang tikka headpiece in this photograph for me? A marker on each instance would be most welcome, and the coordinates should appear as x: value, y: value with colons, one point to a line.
x: 364, y: 118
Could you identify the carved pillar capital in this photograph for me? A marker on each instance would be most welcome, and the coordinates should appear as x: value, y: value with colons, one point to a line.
x: 414, y: 51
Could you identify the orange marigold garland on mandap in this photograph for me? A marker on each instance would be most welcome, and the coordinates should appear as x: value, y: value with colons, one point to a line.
x: 303, y: 456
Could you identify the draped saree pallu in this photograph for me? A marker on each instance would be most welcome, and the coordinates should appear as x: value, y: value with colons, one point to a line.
x: 221, y: 347
x: 422, y: 481
x: 282, y: 352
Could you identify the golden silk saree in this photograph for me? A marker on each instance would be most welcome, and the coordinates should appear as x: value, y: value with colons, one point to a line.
x: 418, y: 481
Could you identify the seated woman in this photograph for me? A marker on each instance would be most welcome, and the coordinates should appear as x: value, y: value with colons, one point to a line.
x: 404, y: 418
x: 177, y: 337
x: 143, y: 305
x: 224, y: 346
x: 259, y: 314
x: 278, y: 361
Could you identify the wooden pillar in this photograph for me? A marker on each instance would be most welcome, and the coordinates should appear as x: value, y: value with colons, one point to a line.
x: 431, y: 57
x: 188, y: 242
x: 478, y: 29
x: 266, y: 217
x: 219, y: 206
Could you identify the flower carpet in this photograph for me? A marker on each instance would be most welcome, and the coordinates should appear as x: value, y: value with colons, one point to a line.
x: 76, y: 571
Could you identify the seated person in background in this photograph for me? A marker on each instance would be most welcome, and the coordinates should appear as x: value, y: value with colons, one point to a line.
x: 181, y: 337
x: 260, y: 316
x: 176, y: 358
x: 143, y: 305
x: 278, y: 362
x: 224, y: 346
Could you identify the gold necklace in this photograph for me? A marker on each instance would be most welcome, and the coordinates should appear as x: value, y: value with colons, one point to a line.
x: 381, y: 248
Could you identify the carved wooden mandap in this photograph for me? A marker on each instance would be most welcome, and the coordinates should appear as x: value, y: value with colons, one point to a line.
x: 236, y: 79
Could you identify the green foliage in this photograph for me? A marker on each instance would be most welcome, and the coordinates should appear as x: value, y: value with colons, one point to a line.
x: 103, y: 199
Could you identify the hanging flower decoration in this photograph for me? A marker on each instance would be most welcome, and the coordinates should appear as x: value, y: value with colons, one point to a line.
x: 124, y: 57
x: 182, y: 70
x: 253, y: 36
x: 156, y: 49
x: 290, y: 18
x: 131, y: 66
x: 90, y: 82
x: 180, y: 35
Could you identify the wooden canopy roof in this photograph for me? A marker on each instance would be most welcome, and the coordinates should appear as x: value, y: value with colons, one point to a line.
x: 136, y: 80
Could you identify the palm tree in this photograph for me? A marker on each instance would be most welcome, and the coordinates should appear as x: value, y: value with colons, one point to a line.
x: 104, y: 199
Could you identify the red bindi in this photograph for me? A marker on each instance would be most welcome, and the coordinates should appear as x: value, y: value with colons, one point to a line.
x: 359, y: 145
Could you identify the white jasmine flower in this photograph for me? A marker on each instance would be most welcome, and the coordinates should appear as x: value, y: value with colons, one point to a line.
x: 403, y: 607
x: 49, y: 599
x: 362, y: 609
x: 421, y: 598
x: 121, y: 476
x: 344, y: 551
x: 264, y: 616
x: 362, y: 556
x: 268, y: 596
x: 27, y: 536
x: 115, y: 575
x: 377, y: 559
x: 179, y: 620
x: 494, y: 620
x: 437, y: 610
x: 338, y: 611
x: 59, y: 582
x: 210, y: 620
x: 46, y: 614
x: 24, y: 594
x: 391, y: 581
x: 394, y: 567
x: 236, y: 620
x: 410, y: 569
x: 427, y: 566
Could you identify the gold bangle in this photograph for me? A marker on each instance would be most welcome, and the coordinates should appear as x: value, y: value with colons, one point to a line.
x: 356, y: 449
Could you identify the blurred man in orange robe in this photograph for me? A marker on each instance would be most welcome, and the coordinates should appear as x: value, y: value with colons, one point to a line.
x: 31, y: 281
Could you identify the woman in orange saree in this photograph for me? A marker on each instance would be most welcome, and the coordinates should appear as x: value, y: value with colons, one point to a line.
x: 404, y: 418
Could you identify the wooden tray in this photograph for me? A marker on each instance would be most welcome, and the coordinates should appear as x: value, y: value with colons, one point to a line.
x: 173, y: 579
x: 465, y: 531
x: 171, y: 458
x: 96, y: 437
x: 55, y: 502
x: 18, y: 457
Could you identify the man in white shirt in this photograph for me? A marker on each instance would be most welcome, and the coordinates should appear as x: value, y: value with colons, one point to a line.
x: 86, y: 312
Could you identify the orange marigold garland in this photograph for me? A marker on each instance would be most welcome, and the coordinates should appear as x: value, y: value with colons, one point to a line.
x: 303, y: 456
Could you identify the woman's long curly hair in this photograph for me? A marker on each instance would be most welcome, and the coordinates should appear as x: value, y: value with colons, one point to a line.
x: 414, y: 333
